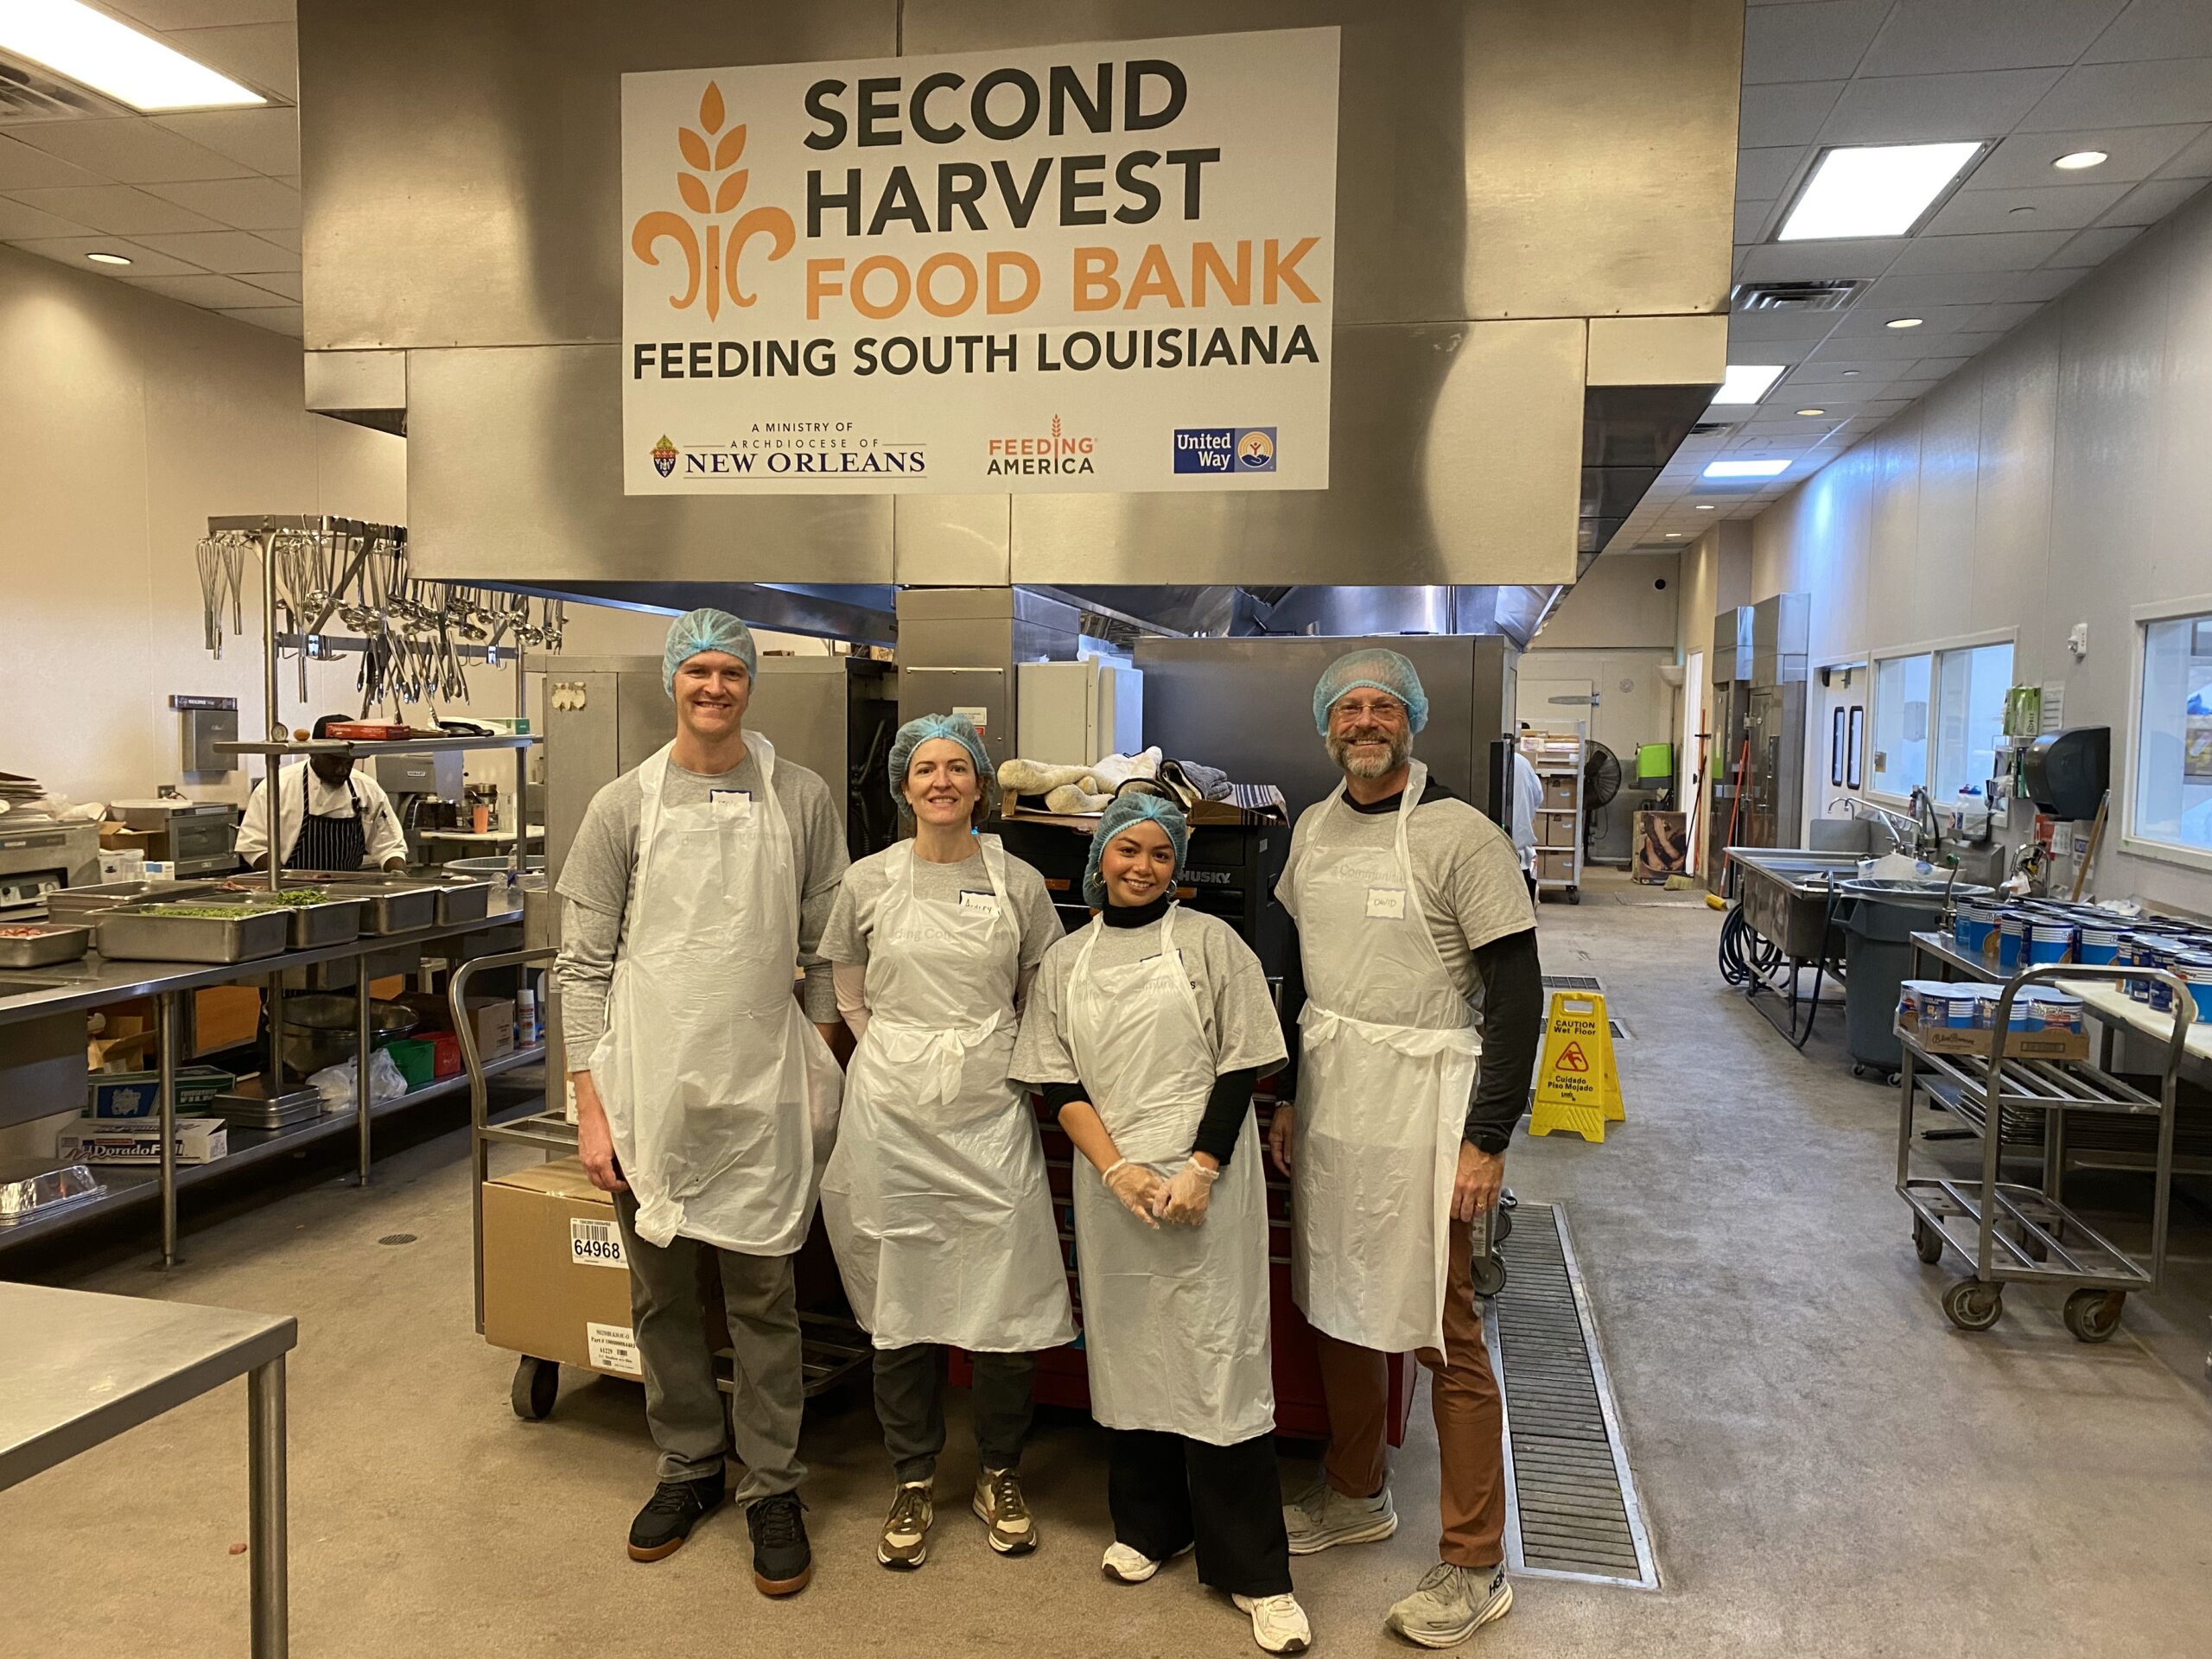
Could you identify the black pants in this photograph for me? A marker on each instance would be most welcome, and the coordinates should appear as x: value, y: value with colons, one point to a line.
x: 909, y: 1404
x: 1166, y: 1492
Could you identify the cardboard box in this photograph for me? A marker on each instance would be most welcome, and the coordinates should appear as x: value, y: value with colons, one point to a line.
x: 556, y: 1285
x: 1562, y: 791
x: 135, y: 1096
x: 1555, y: 866
x: 2019, y: 1045
x: 198, y: 1141
x: 495, y: 1029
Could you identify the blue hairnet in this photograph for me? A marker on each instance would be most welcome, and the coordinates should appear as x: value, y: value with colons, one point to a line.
x: 956, y: 729
x: 709, y: 630
x: 1133, y: 807
x: 1377, y: 669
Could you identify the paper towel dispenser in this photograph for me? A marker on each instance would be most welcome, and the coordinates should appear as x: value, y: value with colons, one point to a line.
x: 2069, y: 771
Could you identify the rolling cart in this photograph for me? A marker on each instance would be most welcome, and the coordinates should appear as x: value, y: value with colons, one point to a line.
x: 2009, y: 1232
x: 835, y: 1348
x: 1560, y: 760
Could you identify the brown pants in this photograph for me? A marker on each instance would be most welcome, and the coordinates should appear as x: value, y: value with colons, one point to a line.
x: 1469, y: 1420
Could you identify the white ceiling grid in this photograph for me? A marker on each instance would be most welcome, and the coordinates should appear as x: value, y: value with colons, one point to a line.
x: 2038, y: 79
x: 204, y: 205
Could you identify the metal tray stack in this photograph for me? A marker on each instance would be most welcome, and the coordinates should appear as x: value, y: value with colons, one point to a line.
x: 135, y: 933
x: 336, y: 922
x: 66, y: 905
x: 254, y: 1110
x: 48, y: 945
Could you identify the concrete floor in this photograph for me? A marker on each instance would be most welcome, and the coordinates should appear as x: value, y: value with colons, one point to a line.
x: 1829, y: 1469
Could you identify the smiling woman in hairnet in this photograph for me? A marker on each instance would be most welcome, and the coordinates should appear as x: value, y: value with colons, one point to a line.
x: 1147, y: 1032
x: 934, y: 1198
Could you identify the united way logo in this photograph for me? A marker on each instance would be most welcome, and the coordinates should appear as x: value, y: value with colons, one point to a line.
x: 664, y: 456
x: 1256, y: 449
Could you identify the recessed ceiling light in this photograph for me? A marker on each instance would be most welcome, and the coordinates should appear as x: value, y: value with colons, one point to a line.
x: 1874, y: 190
x: 73, y: 39
x: 1746, y: 382
x: 2082, y: 158
x: 1903, y: 322
x: 109, y: 258
x: 2018, y: 213
x: 1851, y: 374
x: 1705, y: 506
x: 1812, y: 412
x: 1673, y: 535
x: 1747, y: 469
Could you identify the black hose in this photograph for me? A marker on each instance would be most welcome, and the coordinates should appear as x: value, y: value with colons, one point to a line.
x: 1744, y: 957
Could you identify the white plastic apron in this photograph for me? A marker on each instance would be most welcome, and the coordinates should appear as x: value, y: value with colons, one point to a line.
x: 718, y: 1090
x: 1389, y: 1067
x: 1174, y: 1321
x: 935, y: 1199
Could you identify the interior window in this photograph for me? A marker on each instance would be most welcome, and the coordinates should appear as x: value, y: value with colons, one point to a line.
x: 2173, y: 743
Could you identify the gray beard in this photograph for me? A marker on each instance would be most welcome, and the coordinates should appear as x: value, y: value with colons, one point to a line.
x: 1358, y: 767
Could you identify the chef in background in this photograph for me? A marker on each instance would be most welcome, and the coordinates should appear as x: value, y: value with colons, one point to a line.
x: 328, y: 817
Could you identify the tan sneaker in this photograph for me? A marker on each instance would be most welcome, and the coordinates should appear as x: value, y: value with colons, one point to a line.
x: 1001, y: 1507
x: 905, y: 1542
x: 1451, y: 1604
x: 1322, y: 1517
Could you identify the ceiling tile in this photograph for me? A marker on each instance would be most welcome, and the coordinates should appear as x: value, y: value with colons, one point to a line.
x: 286, y: 283
x: 1930, y: 37
x: 2011, y: 250
x: 1866, y: 319
x: 249, y: 204
x: 2155, y: 28
x: 268, y: 141
x: 1895, y: 346
x: 23, y: 168
x: 1767, y: 172
x: 1791, y: 262
x: 2146, y: 204
x: 1966, y: 288
x: 2194, y: 161
x: 131, y: 150
x: 18, y: 220
x: 205, y: 13
x: 266, y: 56
x: 72, y: 249
x: 202, y: 290
x: 2060, y: 207
x: 1751, y: 219
x: 277, y: 319
x: 1869, y: 377
x: 1818, y: 42
x: 1747, y: 327
x: 114, y: 208
x: 287, y: 238
x: 227, y: 252
x: 2023, y: 161
x: 1927, y: 109
x: 2126, y: 95
x: 2093, y: 247
x: 1789, y: 114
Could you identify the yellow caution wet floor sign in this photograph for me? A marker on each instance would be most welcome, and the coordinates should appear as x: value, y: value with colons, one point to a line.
x: 1578, y: 1087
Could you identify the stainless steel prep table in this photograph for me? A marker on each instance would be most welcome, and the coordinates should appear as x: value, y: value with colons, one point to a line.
x: 96, y: 983
x: 80, y: 1368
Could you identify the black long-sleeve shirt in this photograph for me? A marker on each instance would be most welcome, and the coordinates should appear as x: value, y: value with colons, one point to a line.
x: 1511, y: 1022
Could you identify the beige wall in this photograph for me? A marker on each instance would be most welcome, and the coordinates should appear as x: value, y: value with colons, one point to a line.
x: 1617, y: 603
x: 2059, y: 478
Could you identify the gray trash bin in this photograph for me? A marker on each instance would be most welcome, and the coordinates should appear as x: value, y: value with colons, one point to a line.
x: 1877, y: 948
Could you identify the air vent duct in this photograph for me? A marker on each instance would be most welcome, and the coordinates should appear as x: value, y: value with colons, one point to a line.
x: 1795, y: 296
x: 1706, y: 428
x: 28, y: 93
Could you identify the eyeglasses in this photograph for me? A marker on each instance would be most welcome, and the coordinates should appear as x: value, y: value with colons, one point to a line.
x: 1383, y: 708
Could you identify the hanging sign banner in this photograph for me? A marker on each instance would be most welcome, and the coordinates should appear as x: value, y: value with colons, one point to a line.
x: 1072, y: 268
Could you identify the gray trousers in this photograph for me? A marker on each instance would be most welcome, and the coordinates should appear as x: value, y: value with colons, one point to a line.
x: 683, y: 1405
x: 909, y: 1404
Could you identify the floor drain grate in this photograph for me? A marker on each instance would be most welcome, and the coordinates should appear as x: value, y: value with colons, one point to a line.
x: 1571, y: 1503
x: 1621, y: 1032
x: 1573, y: 983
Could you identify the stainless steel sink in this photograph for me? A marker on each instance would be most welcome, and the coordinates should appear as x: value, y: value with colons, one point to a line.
x: 13, y: 985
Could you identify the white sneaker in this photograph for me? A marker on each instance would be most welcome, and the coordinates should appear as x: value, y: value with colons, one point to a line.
x: 1322, y: 1517
x: 1129, y: 1566
x: 1278, y: 1623
x: 1450, y: 1604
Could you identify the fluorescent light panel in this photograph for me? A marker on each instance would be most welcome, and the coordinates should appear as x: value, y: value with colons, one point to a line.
x: 1746, y: 469
x: 1746, y: 382
x: 110, y: 57
x: 1874, y: 190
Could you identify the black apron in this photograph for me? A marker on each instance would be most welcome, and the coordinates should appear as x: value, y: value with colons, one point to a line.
x: 328, y: 843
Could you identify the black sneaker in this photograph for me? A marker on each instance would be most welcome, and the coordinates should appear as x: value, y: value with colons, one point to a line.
x: 669, y: 1515
x: 782, y: 1563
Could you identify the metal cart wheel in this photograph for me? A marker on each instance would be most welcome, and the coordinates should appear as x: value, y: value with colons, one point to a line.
x: 536, y: 1381
x: 1489, y: 1274
x: 1574, y: 895
x: 1972, y: 1306
x: 2093, y: 1315
x: 1927, y: 1241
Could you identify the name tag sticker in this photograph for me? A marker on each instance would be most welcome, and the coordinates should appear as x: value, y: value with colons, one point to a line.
x: 988, y: 903
x: 1386, y: 904
x: 735, y: 803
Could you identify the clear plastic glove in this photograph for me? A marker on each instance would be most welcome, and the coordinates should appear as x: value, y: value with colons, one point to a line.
x: 1183, y: 1200
x: 1138, y: 1188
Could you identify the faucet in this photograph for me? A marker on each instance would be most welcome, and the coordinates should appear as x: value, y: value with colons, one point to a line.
x: 1904, y: 833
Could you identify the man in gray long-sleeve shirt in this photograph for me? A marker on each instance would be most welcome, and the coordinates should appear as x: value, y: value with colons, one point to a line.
x: 697, y: 887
